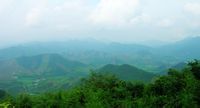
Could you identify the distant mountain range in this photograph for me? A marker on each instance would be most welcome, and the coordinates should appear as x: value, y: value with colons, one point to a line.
x: 186, y: 49
x: 127, y: 72
x: 41, y: 67
x: 97, y: 54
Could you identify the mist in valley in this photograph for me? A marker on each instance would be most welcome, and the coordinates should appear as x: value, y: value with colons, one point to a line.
x: 99, y: 53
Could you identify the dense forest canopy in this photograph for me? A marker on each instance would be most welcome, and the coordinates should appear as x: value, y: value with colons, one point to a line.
x: 178, y: 89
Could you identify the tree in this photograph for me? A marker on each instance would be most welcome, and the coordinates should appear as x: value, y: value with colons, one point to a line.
x: 195, y: 68
x: 24, y: 101
x: 2, y: 94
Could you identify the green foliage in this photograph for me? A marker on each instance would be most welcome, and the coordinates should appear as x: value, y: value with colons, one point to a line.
x: 2, y: 94
x: 195, y: 68
x: 24, y: 101
x: 178, y: 89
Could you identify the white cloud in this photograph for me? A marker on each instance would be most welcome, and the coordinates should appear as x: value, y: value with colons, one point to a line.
x: 193, y: 8
x: 114, y: 12
x: 36, y: 13
x: 125, y: 18
x: 71, y: 15
x: 65, y: 15
x: 5, y: 4
x: 165, y: 23
x: 143, y: 18
x: 33, y: 17
x: 70, y: 5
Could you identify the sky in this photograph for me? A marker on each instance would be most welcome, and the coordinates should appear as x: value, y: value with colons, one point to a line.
x: 106, y: 20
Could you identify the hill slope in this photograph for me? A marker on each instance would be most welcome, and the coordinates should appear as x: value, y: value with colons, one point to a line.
x: 40, y: 73
x: 127, y: 72
x: 45, y: 64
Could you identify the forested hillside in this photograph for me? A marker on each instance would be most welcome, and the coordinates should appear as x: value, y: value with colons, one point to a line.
x: 127, y: 72
x: 48, y: 72
x: 178, y: 89
x: 40, y: 73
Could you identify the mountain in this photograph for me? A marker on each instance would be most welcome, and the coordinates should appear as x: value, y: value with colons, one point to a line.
x: 37, y: 48
x: 127, y: 72
x: 40, y: 73
x: 179, y: 66
x: 186, y: 49
x: 74, y: 46
x: 89, y: 52
x: 98, y: 54
x: 45, y: 64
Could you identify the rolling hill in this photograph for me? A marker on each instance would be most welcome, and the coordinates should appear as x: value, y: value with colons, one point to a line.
x: 127, y: 72
x: 40, y: 73
x: 40, y: 65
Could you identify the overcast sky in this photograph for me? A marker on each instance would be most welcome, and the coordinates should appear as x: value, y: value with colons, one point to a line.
x: 108, y: 20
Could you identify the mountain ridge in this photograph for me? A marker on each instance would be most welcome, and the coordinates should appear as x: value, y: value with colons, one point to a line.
x: 127, y: 72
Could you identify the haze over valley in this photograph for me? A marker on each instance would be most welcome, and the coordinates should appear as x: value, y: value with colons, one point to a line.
x: 99, y: 54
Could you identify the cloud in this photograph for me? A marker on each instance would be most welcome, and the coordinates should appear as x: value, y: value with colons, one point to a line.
x: 143, y: 18
x: 114, y: 12
x: 108, y: 19
x: 193, y: 8
x: 165, y: 23
x: 5, y: 4
x: 65, y: 15
x: 36, y: 13
x: 70, y: 5
x: 33, y: 17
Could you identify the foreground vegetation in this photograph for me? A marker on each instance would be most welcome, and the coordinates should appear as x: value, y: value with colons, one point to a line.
x: 178, y: 89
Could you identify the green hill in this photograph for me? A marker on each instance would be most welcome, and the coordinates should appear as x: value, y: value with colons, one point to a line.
x: 127, y: 72
x: 49, y: 64
x: 40, y: 73
x: 45, y: 64
x: 177, y: 89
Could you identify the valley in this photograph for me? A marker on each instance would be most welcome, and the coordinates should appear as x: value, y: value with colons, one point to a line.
x: 62, y: 67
